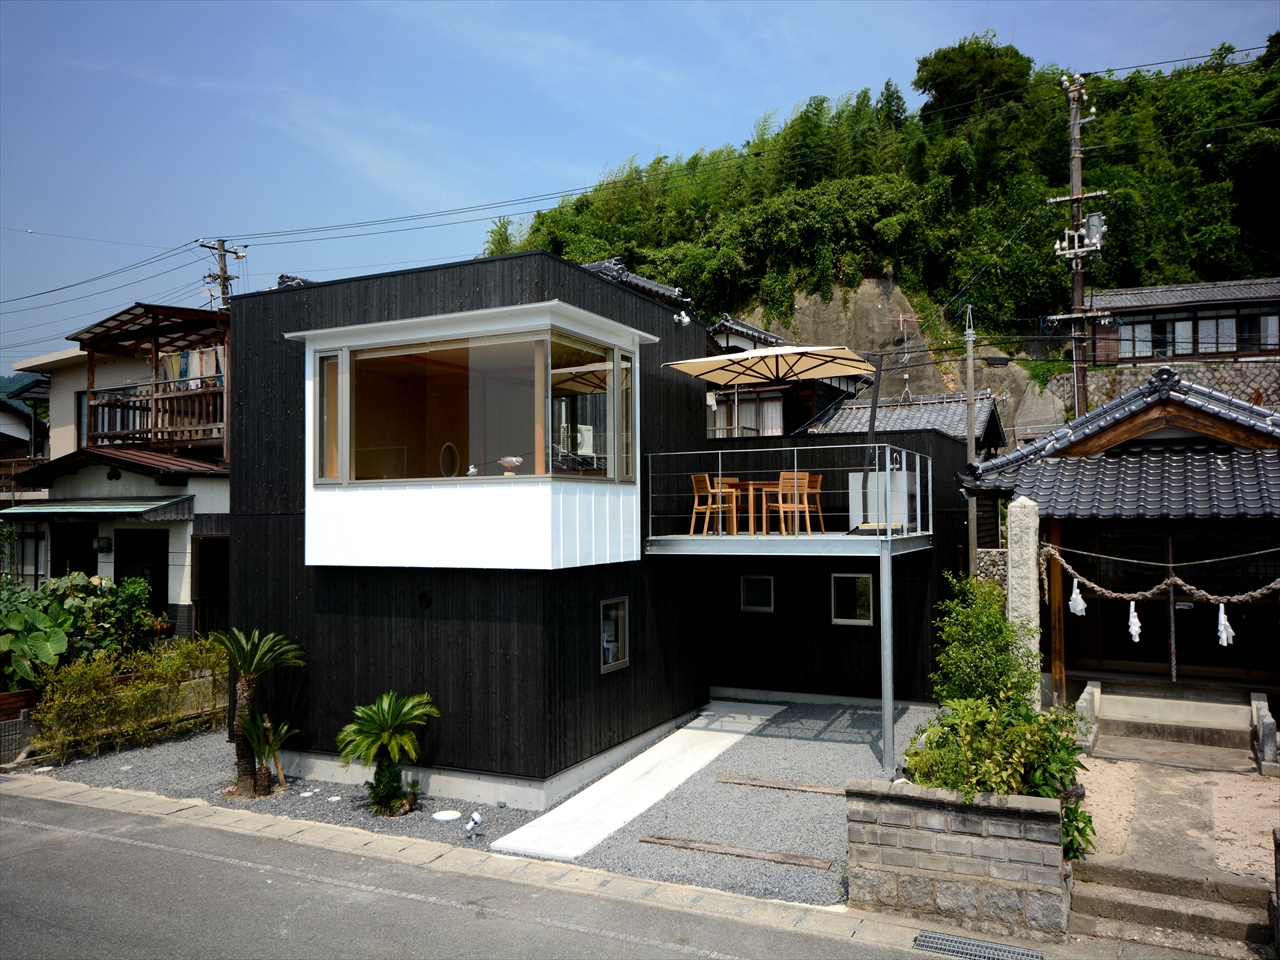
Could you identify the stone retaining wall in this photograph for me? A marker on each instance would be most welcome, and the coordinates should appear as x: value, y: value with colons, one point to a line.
x: 1247, y: 380
x: 993, y: 565
x: 993, y: 865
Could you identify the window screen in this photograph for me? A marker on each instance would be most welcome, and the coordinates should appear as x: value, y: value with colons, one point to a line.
x: 851, y: 598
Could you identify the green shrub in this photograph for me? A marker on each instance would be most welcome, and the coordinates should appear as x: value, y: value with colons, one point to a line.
x: 982, y: 654
x: 138, y: 697
x: 94, y: 613
x: 988, y: 737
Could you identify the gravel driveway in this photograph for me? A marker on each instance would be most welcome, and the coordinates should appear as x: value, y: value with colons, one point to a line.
x: 809, y: 743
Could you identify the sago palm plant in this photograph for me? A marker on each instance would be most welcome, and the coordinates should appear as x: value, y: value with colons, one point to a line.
x: 382, y: 733
x: 266, y: 743
x: 251, y: 657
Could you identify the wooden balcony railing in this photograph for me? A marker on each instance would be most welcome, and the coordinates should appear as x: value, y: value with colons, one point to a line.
x: 168, y: 414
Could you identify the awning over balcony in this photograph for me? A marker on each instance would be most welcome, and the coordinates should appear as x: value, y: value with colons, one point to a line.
x: 141, y: 508
x: 133, y: 330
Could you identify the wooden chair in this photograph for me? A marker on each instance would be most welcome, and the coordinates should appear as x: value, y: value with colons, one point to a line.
x: 792, y: 498
x: 814, y: 493
x: 708, y: 499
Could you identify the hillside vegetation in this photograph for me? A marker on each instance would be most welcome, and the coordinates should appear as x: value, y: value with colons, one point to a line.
x: 859, y: 187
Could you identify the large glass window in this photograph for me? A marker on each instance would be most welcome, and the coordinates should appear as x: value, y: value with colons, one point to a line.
x: 581, y: 407
x: 327, y: 422
x: 462, y: 408
x: 626, y: 432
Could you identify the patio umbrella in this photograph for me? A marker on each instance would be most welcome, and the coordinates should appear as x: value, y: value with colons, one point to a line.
x: 776, y: 365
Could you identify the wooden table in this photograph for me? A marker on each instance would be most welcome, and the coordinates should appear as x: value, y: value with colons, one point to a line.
x: 751, y: 486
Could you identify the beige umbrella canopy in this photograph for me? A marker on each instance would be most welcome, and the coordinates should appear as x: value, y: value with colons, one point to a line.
x: 776, y: 365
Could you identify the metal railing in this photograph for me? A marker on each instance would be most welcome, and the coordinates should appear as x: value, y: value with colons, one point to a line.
x: 173, y: 412
x: 873, y: 490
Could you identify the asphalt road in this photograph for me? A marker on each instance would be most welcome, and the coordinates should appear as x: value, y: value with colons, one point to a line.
x: 84, y: 882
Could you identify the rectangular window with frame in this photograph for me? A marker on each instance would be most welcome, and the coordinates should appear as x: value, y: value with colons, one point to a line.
x: 851, y: 602
x: 757, y: 594
x: 581, y: 407
x: 328, y: 445
x: 626, y: 433
x: 615, y: 637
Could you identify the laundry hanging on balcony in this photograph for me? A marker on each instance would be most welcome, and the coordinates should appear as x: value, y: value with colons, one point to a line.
x: 1076, y: 604
x: 1226, y: 636
x: 1135, y: 625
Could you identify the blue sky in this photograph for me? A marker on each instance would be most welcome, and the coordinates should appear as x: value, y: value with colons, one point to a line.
x: 155, y: 124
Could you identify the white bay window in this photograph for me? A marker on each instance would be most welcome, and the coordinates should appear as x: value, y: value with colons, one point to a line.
x: 496, y: 438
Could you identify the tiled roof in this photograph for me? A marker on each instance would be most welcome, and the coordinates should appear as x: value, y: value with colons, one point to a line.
x: 1156, y: 481
x: 732, y: 325
x: 616, y: 270
x: 146, y: 462
x: 946, y: 413
x: 1179, y: 294
x: 27, y: 386
x: 1164, y: 384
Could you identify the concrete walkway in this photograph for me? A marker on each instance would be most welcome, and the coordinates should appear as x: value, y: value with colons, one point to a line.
x: 583, y: 821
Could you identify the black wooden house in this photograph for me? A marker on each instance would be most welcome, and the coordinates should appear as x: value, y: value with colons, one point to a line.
x: 464, y: 480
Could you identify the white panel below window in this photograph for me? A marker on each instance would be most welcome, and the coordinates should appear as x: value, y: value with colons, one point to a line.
x: 524, y: 525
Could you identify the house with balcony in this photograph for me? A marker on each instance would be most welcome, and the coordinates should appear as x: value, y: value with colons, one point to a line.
x: 482, y: 480
x: 137, y: 478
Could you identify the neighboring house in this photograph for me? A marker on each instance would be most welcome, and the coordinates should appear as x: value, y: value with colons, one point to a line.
x: 1230, y: 320
x: 1171, y: 475
x: 138, y: 481
x: 477, y: 479
x: 24, y: 436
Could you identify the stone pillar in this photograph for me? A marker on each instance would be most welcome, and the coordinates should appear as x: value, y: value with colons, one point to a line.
x: 1023, y: 577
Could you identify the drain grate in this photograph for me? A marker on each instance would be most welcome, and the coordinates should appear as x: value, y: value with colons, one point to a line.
x: 972, y: 949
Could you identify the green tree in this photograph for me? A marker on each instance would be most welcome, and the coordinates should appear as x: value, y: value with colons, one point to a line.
x: 382, y: 733
x: 251, y: 657
x: 983, y: 655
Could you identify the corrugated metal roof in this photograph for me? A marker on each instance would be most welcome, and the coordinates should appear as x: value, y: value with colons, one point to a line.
x: 146, y: 508
x: 139, y: 328
x: 1165, y: 481
x: 948, y: 415
x: 1179, y: 294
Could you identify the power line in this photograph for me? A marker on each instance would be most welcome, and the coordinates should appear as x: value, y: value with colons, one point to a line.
x: 63, y: 236
x: 172, y: 252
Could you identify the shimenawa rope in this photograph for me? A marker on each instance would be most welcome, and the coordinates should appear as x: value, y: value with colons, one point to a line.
x: 1048, y: 550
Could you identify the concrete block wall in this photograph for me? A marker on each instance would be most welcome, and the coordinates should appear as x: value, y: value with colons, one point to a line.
x: 993, y: 865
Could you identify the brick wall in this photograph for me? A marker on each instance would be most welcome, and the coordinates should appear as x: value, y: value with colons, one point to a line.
x: 993, y: 865
x: 13, y: 703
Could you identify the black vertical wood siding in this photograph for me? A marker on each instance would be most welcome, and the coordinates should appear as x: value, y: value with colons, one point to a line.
x: 511, y: 656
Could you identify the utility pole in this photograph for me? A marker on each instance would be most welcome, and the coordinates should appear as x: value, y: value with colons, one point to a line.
x: 972, y: 449
x: 1084, y: 236
x: 222, y: 277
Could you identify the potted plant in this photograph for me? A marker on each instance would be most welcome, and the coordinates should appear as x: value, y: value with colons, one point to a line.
x: 382, y: 732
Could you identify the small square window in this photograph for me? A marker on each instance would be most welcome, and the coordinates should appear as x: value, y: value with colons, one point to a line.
x: 757, y: 594
x: 615, y: 638
x: 851, y: 599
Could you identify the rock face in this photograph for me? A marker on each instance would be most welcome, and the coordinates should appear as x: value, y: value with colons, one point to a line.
x: 878, y: 318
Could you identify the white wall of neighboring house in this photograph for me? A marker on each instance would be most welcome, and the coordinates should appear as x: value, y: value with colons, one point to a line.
x: 68, y: 375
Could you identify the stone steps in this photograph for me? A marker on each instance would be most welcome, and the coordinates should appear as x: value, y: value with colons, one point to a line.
x: 1208, y: 733
x: 1188, y: 756
x: 1214, y: 885
x: 1093, y: 901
